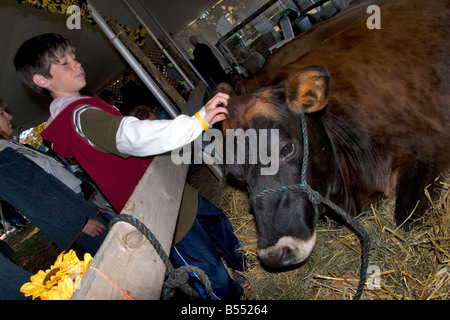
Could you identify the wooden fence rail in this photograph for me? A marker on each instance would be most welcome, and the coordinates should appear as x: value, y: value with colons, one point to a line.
x: 126, y: 260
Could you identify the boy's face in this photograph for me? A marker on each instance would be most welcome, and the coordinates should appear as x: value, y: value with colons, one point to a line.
x: 68, y: 77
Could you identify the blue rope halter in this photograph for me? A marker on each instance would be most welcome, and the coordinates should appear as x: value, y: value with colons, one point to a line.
x: 316, y: 199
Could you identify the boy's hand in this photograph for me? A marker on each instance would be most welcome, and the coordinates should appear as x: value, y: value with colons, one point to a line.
x: 216, y: 108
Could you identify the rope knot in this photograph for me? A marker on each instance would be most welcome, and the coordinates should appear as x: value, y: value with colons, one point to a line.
x: 314, y: 196
x: 179, y: 278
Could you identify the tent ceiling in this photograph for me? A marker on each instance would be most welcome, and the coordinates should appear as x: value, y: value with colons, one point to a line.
x: 99, y: 59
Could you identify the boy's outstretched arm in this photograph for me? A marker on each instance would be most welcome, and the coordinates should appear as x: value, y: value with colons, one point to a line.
x: 129, y: 136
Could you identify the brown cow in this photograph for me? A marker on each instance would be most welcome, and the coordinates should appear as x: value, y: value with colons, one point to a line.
x: 376, y: 105
x: 304, y: 43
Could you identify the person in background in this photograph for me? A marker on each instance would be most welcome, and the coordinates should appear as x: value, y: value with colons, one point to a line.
x: 207, y: 63
x: 46, y: 193
x: 12, y: 277
x: 111, y: 98
x: 143, y: 112
x: 135, y: 94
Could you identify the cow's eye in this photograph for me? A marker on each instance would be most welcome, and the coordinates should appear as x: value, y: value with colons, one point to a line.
x: 286, y: 150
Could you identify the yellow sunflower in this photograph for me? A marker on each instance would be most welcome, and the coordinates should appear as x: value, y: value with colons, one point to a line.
x: 60, y: 281
x: 62, y: 291
x: 36, y: 287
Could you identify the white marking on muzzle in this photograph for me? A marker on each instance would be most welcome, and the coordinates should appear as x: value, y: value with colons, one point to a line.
x: 299, y: 250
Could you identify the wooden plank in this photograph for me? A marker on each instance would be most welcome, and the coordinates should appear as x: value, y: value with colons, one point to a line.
x: 195, y: 101
x: 175, y: 54
x: 142, y: 58
x: 126, y: 257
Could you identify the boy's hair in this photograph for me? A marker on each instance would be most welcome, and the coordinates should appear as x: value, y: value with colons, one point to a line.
x: 36, y: 55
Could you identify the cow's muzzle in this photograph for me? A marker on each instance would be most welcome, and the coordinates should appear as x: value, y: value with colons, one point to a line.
x: 287, y: 251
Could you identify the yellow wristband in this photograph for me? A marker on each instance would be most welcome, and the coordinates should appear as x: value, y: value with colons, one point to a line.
x: 202, y: 121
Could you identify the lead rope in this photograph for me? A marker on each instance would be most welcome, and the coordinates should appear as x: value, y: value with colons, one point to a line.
x: 316, y: 199
x: 175, y: 278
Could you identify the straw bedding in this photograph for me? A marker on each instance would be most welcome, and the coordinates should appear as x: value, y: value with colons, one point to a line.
x: 402, y: 265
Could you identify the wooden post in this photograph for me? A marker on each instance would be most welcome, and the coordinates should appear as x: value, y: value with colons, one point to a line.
x: 160, y: 46
x: 168, y: 46
x: 140, y: 55
x: 126, y: 258
x: 131, y: 60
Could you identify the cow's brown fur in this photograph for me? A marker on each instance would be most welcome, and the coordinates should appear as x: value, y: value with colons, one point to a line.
x: 259, y: 104
x: 304, y: 43
x: 393, y: 84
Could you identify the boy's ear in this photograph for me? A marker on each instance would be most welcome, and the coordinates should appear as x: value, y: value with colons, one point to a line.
x: 41, y: 81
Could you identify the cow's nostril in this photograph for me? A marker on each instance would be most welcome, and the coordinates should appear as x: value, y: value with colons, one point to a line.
x: 278, y: 257
x: 287, y: 257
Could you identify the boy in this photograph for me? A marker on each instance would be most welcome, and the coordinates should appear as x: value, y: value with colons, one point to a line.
x: 113, y: 149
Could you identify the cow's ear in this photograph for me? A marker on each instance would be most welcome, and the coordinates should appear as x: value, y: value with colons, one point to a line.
x: 307, y: 90
x: 226, y: 88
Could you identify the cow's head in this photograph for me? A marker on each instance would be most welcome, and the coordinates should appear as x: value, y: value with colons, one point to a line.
x: 285, y: 220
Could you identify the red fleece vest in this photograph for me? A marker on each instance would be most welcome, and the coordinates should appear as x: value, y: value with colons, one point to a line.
x: 116, y: 177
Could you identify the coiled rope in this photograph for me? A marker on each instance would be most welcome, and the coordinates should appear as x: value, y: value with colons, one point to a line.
x: 316, y: 198
x: 175, y: 278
